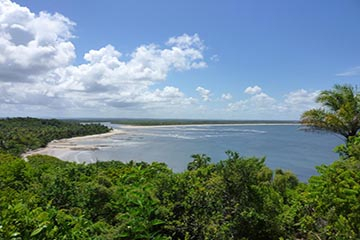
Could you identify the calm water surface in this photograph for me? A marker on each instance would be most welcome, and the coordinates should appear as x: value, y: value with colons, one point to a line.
x: 284, y: 146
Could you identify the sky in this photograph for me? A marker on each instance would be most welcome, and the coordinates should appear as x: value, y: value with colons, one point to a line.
x: 205, y: 59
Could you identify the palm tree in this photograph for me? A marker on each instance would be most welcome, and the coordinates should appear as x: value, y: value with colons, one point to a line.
x: 340, y: 112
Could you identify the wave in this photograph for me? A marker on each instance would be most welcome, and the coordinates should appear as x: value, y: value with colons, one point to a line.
x: 194, y: 133
x: 158, y: 134
x: 253, y: 131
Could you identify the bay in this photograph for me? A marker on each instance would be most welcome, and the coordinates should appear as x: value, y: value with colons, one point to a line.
x: 284, y: 146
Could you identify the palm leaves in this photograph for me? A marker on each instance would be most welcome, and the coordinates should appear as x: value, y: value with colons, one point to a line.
x: 340, y: 112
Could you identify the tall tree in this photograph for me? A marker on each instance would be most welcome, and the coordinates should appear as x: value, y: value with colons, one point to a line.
x: 340, y: 112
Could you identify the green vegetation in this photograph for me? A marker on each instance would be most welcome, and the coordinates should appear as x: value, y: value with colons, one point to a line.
x: 47, y: 198
x: 237, y: 198
x: 18, y: 135
x: 340, y: 113
x: 329, y: 208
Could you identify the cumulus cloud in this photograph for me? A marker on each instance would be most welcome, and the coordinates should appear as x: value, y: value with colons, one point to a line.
x: 301, y: 99
x: 204, y: 93
x: 36, y: 55
x: 291, y: 106
x: 235, y: 106
x: 253, y: 90
x: 258, y: 102
x: 226, y: 96
x: 355, y: 71
x: 32, y: 44
x: 107, y: 76
x: 262, y: 100
x: 185, y: 41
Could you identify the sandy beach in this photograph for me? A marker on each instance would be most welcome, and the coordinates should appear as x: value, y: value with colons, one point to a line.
x: 60, y: 148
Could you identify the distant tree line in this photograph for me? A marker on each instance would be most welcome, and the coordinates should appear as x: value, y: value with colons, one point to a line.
x: 18, y: 135
x: 167, y: 122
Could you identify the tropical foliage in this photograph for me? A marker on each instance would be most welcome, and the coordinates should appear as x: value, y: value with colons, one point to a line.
x: 18, y: 135
x: 329, y: 207
x: 340, y: 112
x: 236, y: 198
x: 47, y: 198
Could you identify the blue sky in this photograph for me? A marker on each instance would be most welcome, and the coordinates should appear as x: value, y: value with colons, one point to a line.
x: 226, y: 60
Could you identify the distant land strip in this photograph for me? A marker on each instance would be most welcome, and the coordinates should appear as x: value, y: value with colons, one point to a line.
x: 159, y: 122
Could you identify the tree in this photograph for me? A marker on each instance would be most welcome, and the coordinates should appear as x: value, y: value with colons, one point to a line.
x: 350, y: 150
x: 340, y: 112
x: 199, y: 160
x: 331, y: 208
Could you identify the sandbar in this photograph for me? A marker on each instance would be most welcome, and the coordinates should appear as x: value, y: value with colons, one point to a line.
x: 60, y: 148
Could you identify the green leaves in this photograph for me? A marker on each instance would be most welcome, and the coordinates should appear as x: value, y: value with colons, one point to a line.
x: 333, y: 199
x: 46, y: 198
x: 199, y: 161
x: 18, y: 135
x: 239, y: 198
x: 340, y: 113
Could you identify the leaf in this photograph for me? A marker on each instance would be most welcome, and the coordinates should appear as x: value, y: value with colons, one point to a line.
x: 157, y: 222
x: 37, y: 231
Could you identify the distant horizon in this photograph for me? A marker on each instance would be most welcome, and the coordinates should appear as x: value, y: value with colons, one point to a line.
x: 158, y: 119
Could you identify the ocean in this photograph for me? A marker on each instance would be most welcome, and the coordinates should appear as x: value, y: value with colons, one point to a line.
x: 284, y: 146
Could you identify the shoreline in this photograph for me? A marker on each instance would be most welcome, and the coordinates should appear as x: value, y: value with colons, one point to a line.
x: 61, y: 147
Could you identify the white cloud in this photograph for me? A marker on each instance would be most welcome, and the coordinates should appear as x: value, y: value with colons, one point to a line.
x: 261, y: 105
x: 107, y: 55
x: 257, y: 102
x: 253, y: 90
x: 204, y: 93
x: 32, y: 44
x: 301, y: 100
x: 262, y: 100
x: 235, y: 106
x: 226, y: 96
x: 36, y: 53
x: 355, y: 71
x: 108, y: 77
x: 168, y: 95
x: 185, y: 42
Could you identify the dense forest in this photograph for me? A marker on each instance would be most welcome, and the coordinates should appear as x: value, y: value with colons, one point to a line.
x: 237, y: 198
x: 18, y: 135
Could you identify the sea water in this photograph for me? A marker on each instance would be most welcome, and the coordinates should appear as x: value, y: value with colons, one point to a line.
x: 284, y: 146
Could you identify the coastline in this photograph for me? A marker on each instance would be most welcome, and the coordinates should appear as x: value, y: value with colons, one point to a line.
x: 61, y: 147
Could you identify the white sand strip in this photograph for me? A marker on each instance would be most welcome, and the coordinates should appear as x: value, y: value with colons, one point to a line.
x: 59, y: 148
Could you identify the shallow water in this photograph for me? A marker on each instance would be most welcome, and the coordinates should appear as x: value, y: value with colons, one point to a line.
x: 284, y: 146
